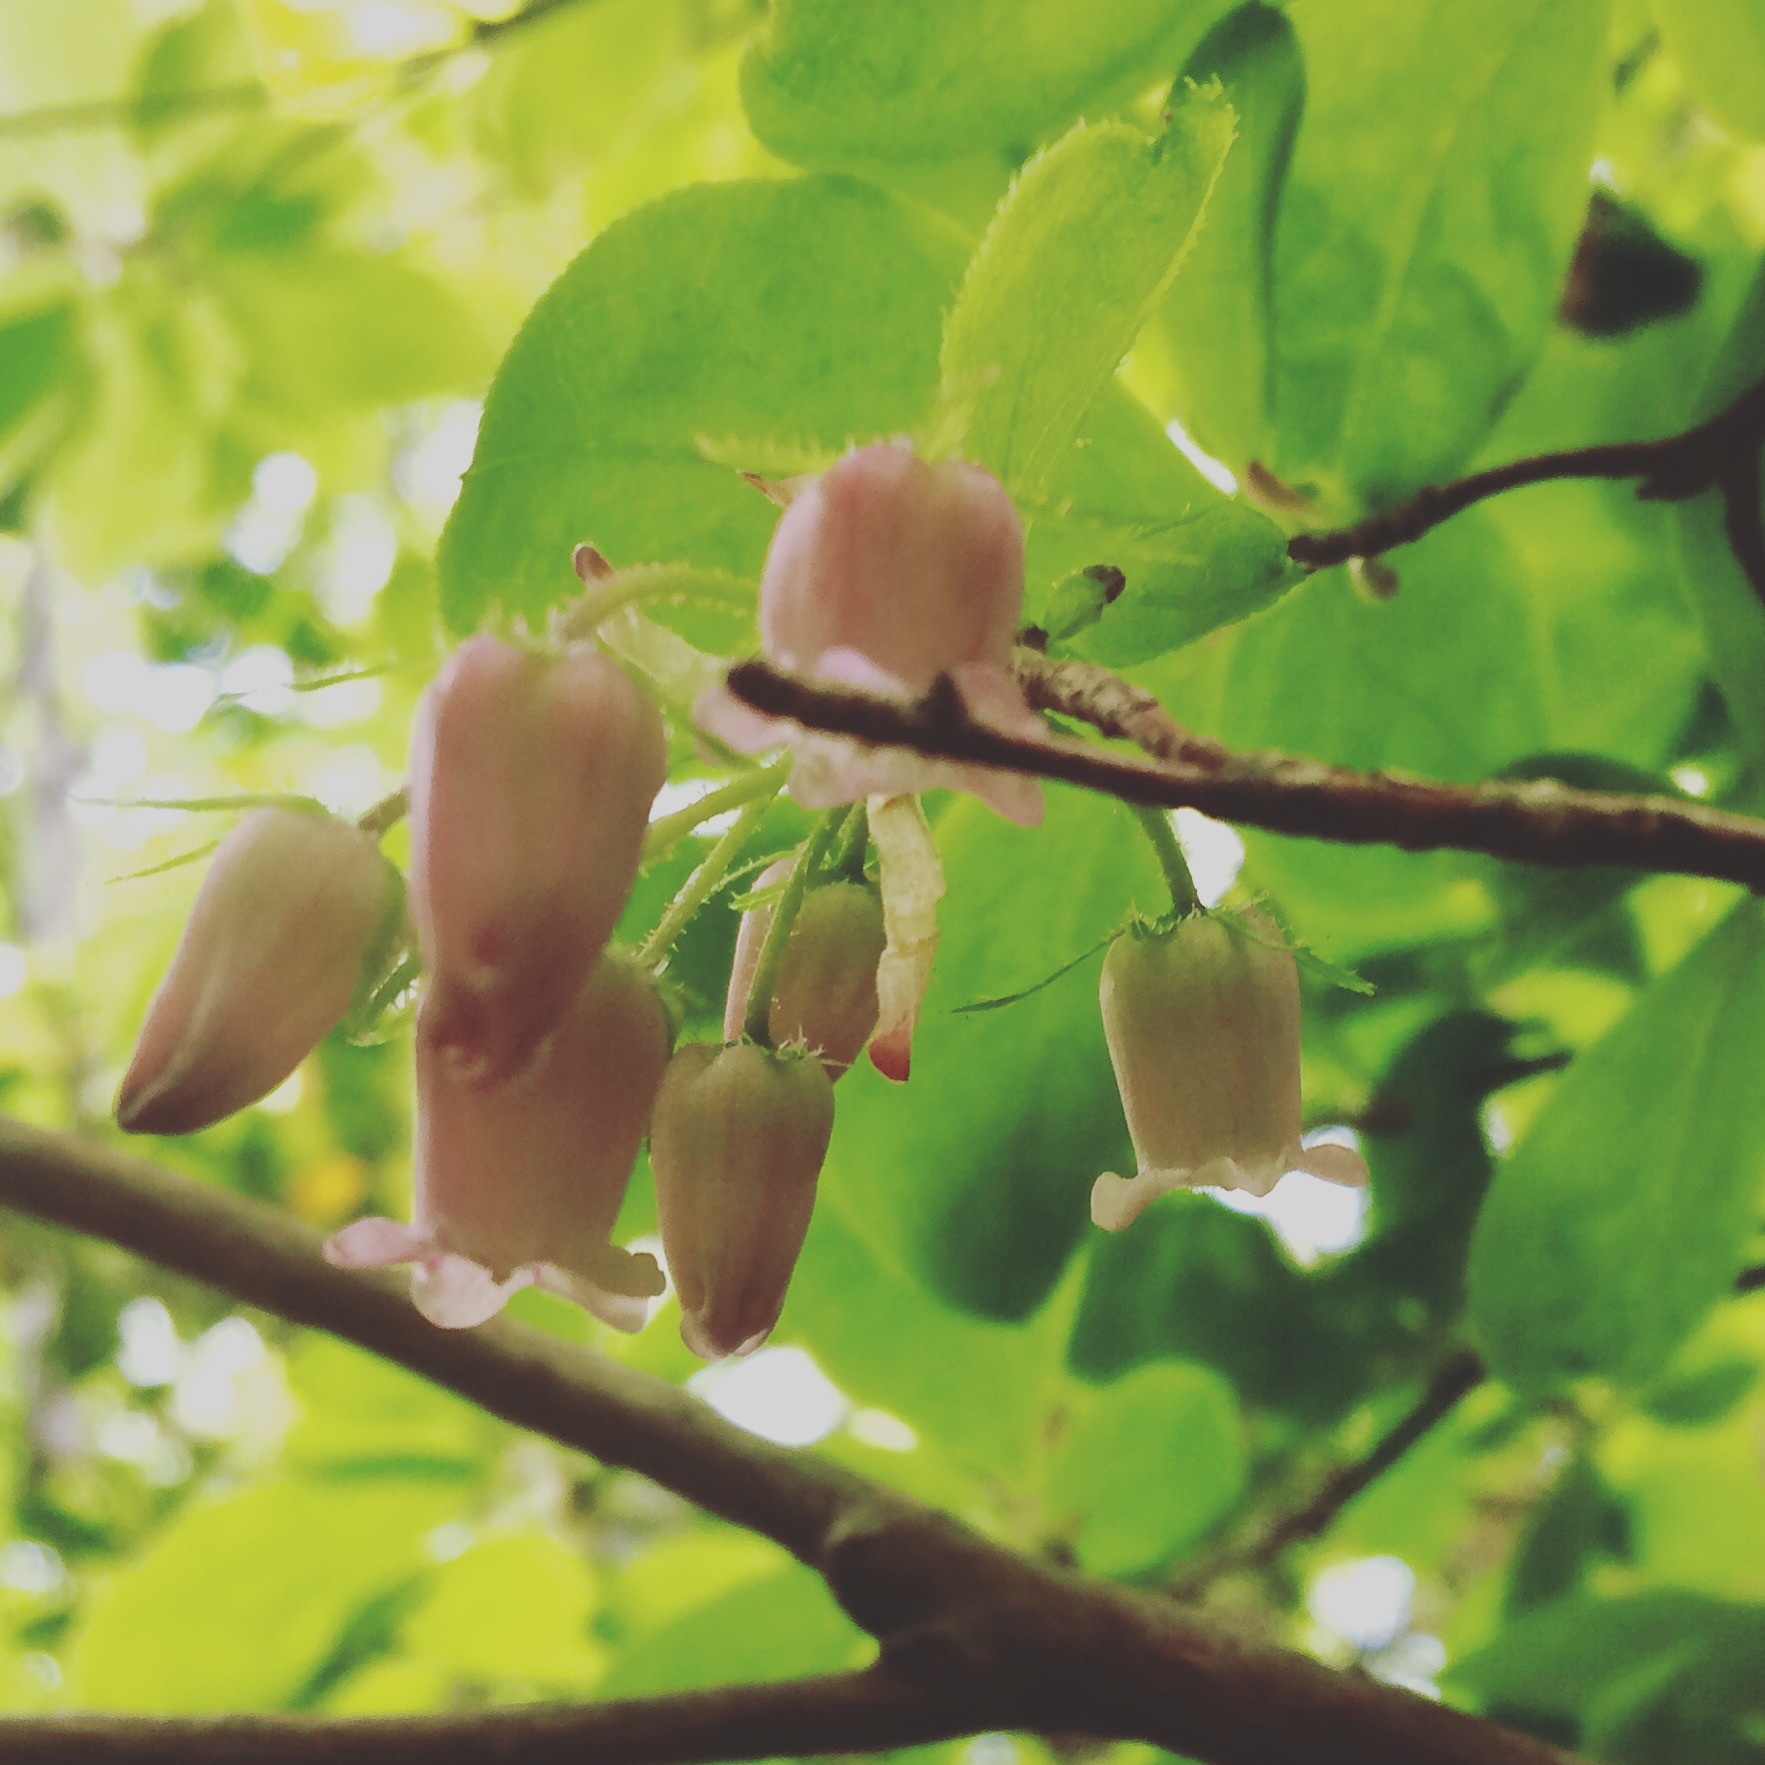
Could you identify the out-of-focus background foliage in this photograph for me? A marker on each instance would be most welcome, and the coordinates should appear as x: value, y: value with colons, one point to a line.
x: 258, y: 262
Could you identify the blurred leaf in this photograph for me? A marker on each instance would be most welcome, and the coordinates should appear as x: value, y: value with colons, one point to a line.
x: 1149, y: 1465
x: 140, y: 476
x: 329, y: 328
x: 780, y: 1627
x: 1610, y: 1231
x: 361, y: 1413
x: 1436, y: 191
x: 1720, y: 46
x: 1086, y: 241
x: 1688, y: 1665
x: 981, y: 1391
x: 1578, y: 1523
x: 1725, y: 602
x: 239, y: 1599
x: 513, y: 1608
x: 1219, y: 315
x: 744, y: 310
x: 827, y: 85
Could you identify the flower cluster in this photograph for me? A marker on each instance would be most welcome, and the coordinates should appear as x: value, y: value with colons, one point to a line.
x: 545, y: 1053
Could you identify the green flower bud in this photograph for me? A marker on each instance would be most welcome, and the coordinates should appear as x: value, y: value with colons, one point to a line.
x: 736, y: 1143
x: 1202, y: 1022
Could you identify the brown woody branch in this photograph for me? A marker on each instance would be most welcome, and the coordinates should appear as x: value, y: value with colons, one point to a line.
x: 1722, y: 454
x: 1537, y: 821
x: 1455, y: 1380
x: 846, y: 1712
x: 973, y: 1637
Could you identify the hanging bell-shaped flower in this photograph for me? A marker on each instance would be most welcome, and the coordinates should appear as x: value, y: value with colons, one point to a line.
x: 885, y: 572
x: 295, y: 915
x: 531, y: 785
x: 737, y: 1143
x: 825, y: 999
x: 521, y: 1185
x: 1202, y: 1021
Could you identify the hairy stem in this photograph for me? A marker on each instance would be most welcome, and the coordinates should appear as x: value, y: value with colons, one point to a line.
x: 703, y: 883
x: 757, y: 1024
x: 667, y: 831
x: 1156, y: 825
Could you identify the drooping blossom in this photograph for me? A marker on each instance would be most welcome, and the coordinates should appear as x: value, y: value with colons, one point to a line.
x: 520, y: 1185
x: 1202, y: 1022
x: 885, y: 572
x: 825, y: 999
x: 736, y: 1145
x: 531, y: 784
x: 295, y: 908
x: 912, y: 880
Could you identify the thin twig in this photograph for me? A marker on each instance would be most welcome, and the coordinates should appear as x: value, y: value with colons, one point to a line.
x: 1312, y: 1518
x: 1534, y: 821
x: 973, y: 1636
x: 1722, y: 452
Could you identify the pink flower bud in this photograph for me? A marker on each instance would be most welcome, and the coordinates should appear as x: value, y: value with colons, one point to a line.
x: 531, y: 784
x: 521, y: 1185
x: 293, y: 908
x: 1203, y: 1028
x: 737, y: 1143
x: 885, y: 573
x: 825, y: 999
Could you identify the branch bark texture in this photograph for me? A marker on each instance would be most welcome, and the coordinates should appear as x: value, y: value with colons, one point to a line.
x: 1535, y: 821
x: 1721, y: 454
x: 973, y: 1637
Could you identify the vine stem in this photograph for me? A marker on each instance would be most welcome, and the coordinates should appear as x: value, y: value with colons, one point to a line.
x: 667, y: 831
x: 1163, y: 838
x: 757, y: 1025
x: 702, y: 884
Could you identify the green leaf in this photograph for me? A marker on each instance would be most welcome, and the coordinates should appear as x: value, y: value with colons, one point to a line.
x: 1720, y: 47
x: 1219, y: 316
x: 1624, y: 1214
x: 331, y: 329
x: 238, y: 1601
x: 1150, y: 1465
x: 829, y: 84
x: 512, y: 1608
x: 779, y: 1627
x: 1442, y: 680
x: 1436, y: 192
x: 1659, y: 1675
x: 749, y: 309
x: 1186, y: 577
x: 1191, y: 559
x: 38, y: 357
x: 974, y: 1176
x: 1086, y: 241
x: 979, y: 1390
x: 1724, y: 602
